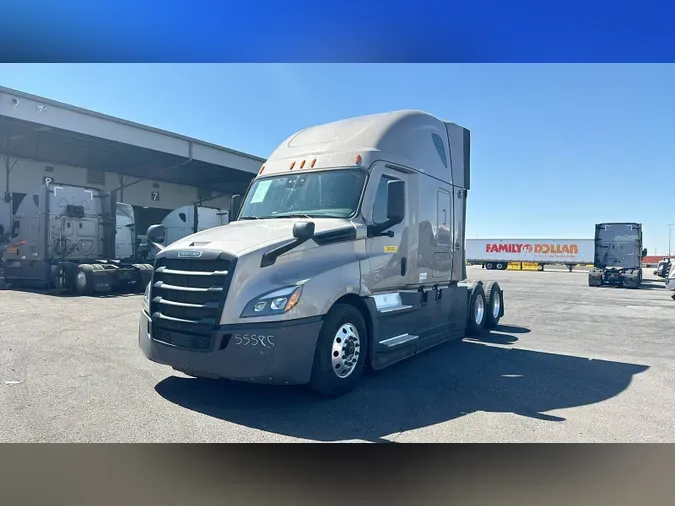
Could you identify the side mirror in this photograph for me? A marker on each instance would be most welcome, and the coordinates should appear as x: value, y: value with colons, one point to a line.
x: 235, y: 207
x: 644, y: 252
x: 156, y: 235
x: 303, y: 230
x: 395, y: 202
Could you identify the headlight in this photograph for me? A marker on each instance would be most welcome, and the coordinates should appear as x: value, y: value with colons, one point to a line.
x: 146, y: 298
x: 277, y: 302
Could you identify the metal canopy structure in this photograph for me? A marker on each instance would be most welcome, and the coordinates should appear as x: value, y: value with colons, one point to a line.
x: 56, y: 133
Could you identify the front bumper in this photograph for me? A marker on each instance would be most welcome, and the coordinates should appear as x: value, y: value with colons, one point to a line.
x: 276, y: 353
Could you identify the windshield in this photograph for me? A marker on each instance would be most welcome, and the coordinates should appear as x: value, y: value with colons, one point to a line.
x: 325, y: 194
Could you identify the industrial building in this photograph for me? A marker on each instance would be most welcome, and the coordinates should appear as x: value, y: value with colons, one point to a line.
x: 153, y: 170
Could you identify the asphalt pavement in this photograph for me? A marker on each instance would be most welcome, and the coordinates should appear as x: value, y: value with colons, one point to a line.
x: 569, y: 363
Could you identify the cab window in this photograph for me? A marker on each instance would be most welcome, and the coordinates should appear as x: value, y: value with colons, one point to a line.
x: 16, y: 228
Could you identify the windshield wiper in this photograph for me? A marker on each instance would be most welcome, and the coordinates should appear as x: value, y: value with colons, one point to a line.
x: 249, y: 218
x: 291, y: 215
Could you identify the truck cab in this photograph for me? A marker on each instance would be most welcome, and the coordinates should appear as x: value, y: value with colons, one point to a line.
x: 190, y: 219
x: 65, y: 237
x: 618, y: 255
x: 125, y: 233
x: 347, y: 251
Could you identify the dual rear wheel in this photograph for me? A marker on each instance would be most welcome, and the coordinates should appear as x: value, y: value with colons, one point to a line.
x: 486, y: 307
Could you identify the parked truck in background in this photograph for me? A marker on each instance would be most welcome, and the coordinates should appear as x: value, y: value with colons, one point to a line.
x: 499, y: 253
x: 347, y: 251
x: 663, y: 268
x: 188, y: 220
x: 125, y: 233
x: 618, y: 255
x: 64, y: 237
x: 670, y: 282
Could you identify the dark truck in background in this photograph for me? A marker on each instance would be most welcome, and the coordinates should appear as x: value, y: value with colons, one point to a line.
x: 618, y: 255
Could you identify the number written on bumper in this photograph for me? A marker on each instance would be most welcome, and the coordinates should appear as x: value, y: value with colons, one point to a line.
x: 253, y: 340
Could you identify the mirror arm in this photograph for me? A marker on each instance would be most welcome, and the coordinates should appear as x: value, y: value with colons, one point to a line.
x: 155, y: 244
x: 269, y: 257
x: 381, y: 229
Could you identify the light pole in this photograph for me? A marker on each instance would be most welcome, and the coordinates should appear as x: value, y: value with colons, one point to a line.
x: 670, y: 226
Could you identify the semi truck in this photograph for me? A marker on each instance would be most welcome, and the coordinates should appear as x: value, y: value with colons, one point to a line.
x: 125, y: 233
x: 670, y: 282
x: 64, y: 237
x: 346, y: 252
x: 663, y: 267
x: 129, y: 254
x: 189, y: 220
x: 618, y: 255
x: 497, y: 254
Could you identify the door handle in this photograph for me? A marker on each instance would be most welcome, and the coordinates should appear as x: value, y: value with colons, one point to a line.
x: 404, y: 265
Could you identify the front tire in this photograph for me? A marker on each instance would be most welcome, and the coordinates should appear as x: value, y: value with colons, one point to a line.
x: 340, y: 352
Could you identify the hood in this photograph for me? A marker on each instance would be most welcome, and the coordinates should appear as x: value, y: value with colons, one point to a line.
x: 238, y: 237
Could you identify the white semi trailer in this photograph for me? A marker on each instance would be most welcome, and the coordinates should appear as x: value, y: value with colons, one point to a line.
x: 498, y: 253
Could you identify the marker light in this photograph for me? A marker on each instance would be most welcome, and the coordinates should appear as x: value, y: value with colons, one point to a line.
x: 358, y: 159
x: 292, y: 165
x: 293, y: 300
x: 313, y: 163
x: 302, y: 164
x: 261, y: 170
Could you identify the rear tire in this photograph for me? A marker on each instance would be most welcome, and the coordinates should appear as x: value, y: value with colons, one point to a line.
x: 632, y: 279
x: 83, y: 283
x: 594, y: 278
x: 477, y: 310
x: 489, y: 266
x: 340, y: 352
x: 145, y: 274
x: 494, y: 304
x: 500, y: 266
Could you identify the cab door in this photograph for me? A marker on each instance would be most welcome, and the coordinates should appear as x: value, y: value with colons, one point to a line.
x: 388, y: 254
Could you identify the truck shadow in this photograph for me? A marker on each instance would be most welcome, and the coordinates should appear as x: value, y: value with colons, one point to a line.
x: 646, y: 285
x: 450, y: 381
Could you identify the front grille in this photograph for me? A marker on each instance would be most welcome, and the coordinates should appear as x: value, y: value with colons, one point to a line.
x: 190, y: 290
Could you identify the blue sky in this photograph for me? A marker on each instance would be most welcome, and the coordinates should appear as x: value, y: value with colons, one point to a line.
x: 555, y: 148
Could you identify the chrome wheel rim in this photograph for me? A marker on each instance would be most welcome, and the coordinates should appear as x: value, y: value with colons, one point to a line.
x: 345, y: 351
x: 81, y: 280
x: 497, y: 304
x: 479, y: 309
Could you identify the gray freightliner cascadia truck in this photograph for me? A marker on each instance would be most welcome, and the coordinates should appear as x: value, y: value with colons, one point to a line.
x: 347, y: 251
x: 63, y: 237
x: 618, y: 255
